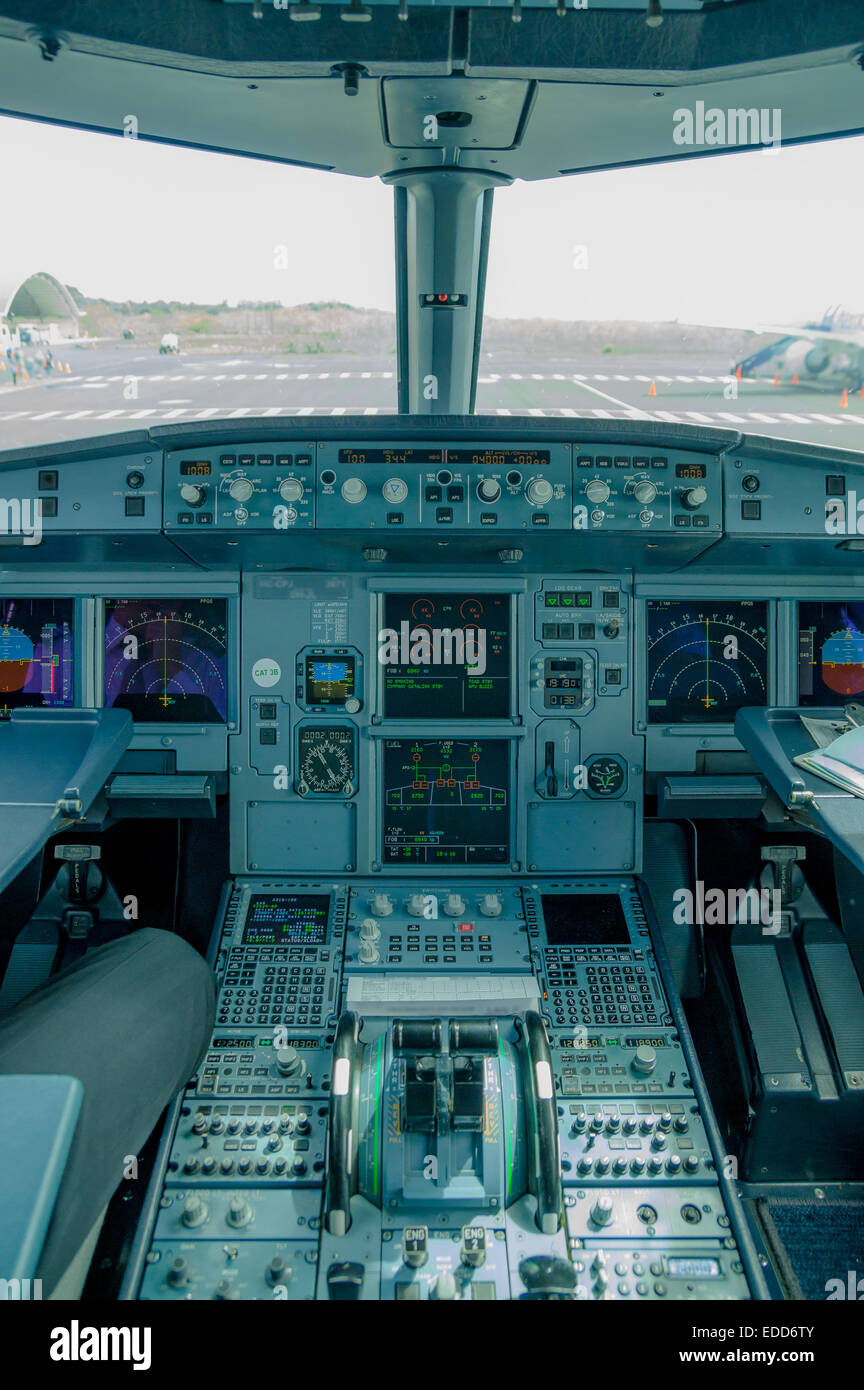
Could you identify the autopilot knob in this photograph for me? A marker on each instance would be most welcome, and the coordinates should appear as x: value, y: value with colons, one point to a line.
x: 381, y: 905
x: 193, y: 495
x: 597, y: 491
x: 368, y: 953
x: 291, y: 489
x: 241, y: 489
x: 694, y: 497
x: 369, y: 930
x: 289, y: 1062
x: 539, y: 491
x: 490, y: 905
x: 454, y: 905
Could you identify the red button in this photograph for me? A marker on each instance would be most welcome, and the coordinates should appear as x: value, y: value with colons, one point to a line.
x: 466, y: 926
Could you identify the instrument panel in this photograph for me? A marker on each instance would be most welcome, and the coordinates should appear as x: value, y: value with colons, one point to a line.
x: 166, y: 662
x: 705, y: 661
x: 37, y: 659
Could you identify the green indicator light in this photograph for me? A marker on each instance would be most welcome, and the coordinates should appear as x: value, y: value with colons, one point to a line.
x: 584, y: 600
x: 566, y: 600
x: 266, y: 1042
x: 551, y: 600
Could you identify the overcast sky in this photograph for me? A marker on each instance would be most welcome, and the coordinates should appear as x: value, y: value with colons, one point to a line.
x: 737, y: 239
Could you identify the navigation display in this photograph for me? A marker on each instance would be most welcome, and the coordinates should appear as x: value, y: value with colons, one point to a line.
x: 830, y: 651
x: 446, y: 656
x: 286, y: 919
x: 705, y: 660
x: 36, y: 653
x: 446, y: 801
x: 166, y: 659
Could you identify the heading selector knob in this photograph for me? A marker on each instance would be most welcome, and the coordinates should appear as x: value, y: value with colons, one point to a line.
x: 694, y: 497
x: 488, y: 490
x: 241, y: 489
x: 597, y: 491
x: 539, y: 491
x: 291, y: 490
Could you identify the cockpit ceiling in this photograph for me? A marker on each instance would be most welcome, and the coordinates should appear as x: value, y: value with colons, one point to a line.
x: 592, y: 89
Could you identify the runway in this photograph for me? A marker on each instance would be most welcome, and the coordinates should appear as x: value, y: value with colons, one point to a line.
x: 117, y: 387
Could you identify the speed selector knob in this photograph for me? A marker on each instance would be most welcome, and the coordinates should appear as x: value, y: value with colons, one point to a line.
x: 597, y: 491
x: 192, y: 494
x: 488, y: 490
x: 694, y: 497
x: 241, y: 489
x: 454, y: 905
x: 644, y: 493
x: 291, y: 490
x: 369, y: 929
x: 539, y: 491
x: 353, y: 490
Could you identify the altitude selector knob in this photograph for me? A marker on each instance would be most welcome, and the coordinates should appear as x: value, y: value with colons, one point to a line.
x: 488, y: 490
x: 644, y: 492
x: 241, y: 489
x: 539, y: 491
x: 291, y: 490
x: 597, y: 491
x: 694, y: 497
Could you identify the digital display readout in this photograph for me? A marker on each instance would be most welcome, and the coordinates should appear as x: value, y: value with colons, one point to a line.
x: 446, y: 801
x: 446, y: 656
x: 36, y: 653
x: 287, y: 919
x: 391, y: 456
x: 195, y: 468
x: 498, y: 458
x: 329, y: 679
x: 224, y: 1044
x: 691, y: 470
x: 686, y: 1267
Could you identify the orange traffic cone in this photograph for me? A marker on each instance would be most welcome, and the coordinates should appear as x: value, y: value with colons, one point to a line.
x: 653, y: 391
x: 776, y: 381
x: 861, y: 393
x: 844, y: 399
x: 738, y: 372
x: 795, y: 379
x: 68, y: 370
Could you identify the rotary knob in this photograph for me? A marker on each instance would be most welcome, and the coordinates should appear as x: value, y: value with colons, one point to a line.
x: 369, y: 929
x: 368, y: 953
x: 241, y: 489
x: 278, y: 1271
x: 694, y: 497
x: 490, y: 905
x: 488, y: 490
x: 178, y: 1274
x: 381, y: 904
x: 192, y: 494
x: 353, y: 490
x: 444, y: 1286
x: 195, y: 1212
x: 239, y: 1212
x: 602, y: 1211
x: 417, y: 904
x: 454, y: 905
x: 644, y: 492
x: 597, y: 491
x: 644, y: 1060
x: 289, y: 1062
x: 539, y: 491
x: 291, y: 490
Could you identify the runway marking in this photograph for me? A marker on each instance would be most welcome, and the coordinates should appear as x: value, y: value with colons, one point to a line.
x: 624, y: 405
